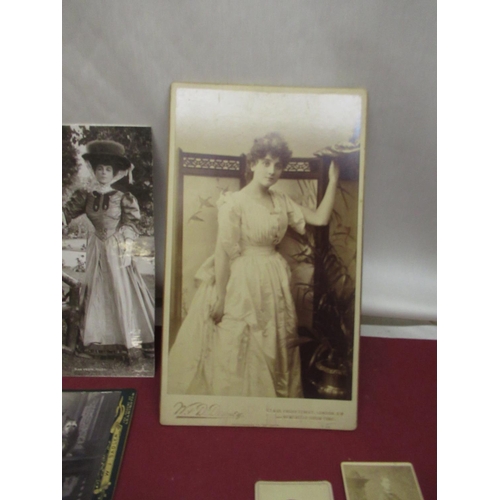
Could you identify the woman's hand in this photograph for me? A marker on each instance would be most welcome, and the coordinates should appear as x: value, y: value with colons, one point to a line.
x: 333, y: 172
x: 217, y: 311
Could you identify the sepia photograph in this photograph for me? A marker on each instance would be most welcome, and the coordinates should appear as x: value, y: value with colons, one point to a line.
x: 380, y: 481
x: 263, y: 257
x: 108, y: 260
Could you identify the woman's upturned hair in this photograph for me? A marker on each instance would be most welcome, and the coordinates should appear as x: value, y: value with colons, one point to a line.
x: 271, y: 144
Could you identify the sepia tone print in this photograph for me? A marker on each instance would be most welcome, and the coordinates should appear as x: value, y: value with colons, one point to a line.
x: 380, y: 481
x: 263, y: 254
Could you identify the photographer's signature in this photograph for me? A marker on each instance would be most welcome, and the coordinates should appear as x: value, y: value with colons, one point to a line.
x: 203, y: 411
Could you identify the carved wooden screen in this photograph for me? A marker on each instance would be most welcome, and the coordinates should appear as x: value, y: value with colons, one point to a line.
x: 235, y: 166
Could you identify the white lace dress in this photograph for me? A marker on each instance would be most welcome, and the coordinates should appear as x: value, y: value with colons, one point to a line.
x: 249, y: 353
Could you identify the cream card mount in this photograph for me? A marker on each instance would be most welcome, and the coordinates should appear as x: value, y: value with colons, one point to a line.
x: 293, y: 490
x: 263, y: 257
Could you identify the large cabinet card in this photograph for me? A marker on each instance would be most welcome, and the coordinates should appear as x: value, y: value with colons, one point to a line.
x: 108, y: 260
x: 263, y: 257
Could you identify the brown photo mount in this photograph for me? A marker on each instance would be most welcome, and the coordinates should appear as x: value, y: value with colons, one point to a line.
x: 212, y: 128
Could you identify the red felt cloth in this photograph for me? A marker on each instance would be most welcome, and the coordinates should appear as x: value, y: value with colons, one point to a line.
x: 397, y: 422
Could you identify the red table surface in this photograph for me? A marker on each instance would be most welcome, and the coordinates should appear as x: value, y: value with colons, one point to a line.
x: 397, y: 422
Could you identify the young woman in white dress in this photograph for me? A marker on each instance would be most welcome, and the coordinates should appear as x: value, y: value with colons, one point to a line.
x: 236, y: 338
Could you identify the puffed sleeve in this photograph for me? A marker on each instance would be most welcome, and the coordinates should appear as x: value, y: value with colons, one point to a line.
x: 75, y: 206
x: 229, y: 225
x: 295, y: 216
x: 131, y: 215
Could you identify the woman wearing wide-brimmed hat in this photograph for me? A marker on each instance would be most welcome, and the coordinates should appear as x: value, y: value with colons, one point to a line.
x: 117, y: 307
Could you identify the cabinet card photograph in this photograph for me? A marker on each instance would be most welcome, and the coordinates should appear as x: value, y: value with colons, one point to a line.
x: 108, y: 260
x: 380, y: 481
x: 263, y: 257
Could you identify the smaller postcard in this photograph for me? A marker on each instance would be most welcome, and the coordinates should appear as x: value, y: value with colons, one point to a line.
x: 380, y: 481
x: 293, y: 490
x: 108, y: 260
x: 95, y: 427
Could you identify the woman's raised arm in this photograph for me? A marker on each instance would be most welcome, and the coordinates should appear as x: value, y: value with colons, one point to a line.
x: 321, y: 216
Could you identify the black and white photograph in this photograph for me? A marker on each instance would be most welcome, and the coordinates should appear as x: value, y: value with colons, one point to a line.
x: 94, y: 433
x: 380, y: 481
x: 263, y: 256
x: 108, y: 255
